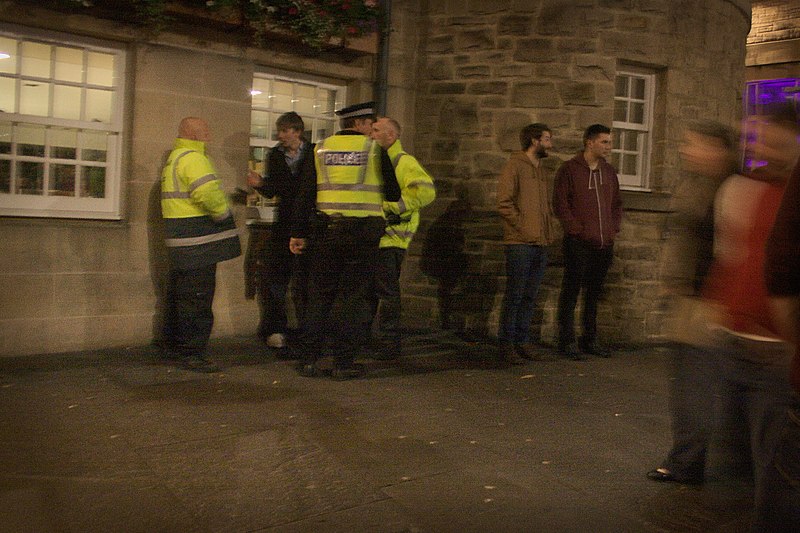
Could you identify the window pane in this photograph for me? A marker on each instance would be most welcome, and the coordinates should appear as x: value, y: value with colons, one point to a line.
x: 9, y: 64
x: 30, y: 177
x: 98, y: 105
x: 272, y: 118
x: 34, y: 98
x: 304, y: 99
x: 5, y: 138
x: 282, y: 96
x: 94, y: 146
x: 620, y: 111
x: 637, y: 113
x: 615, y: 156
x: 8, y: 93
x: 67, y: 102
x: 259, y: 124
x: 62, y: 180
x: 621, y: 88
x: 327, y: 101
x: 629, y: 164
x: 5, y: 176
x: 100, y: 69
x: 93, y: 184
x: 326, y: 129
x: 637, y: 88
x: 260, y: 93
x: 69, y: 64
x: 631, y: 141
x: 616, y: 139
x: 35, y: 60
x: 30, y: 140
x: 63, y: 143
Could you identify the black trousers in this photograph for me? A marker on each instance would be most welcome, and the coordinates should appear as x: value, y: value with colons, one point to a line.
x: 281, y: 268
x: 385, y: 299
x: 188, y: 317
x: 343, y: 261
x: 585, y: 268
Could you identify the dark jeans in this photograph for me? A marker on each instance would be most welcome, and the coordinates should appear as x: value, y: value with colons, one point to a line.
x: 525, y: 265
x: 777, y: 506
x: 342, y: 268
x: 282, y: 267
x: 585, y: 267
x: 188, y: 317
x: 385, y: 302
x: 692, y: 392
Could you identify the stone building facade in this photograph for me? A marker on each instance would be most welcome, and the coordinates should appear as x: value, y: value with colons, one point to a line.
x: 464, y: 76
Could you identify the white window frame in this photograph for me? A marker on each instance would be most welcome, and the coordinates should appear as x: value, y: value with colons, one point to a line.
x: 312, y: 125
x: 640, y: 181
x: 53, y: 206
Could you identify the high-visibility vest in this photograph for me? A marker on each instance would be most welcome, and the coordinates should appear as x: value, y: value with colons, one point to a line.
x: 348, y: 177
x: 199, y: 224
x: 416, y: 191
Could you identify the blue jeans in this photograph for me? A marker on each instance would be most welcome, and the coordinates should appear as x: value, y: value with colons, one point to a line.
x: 525, y: 264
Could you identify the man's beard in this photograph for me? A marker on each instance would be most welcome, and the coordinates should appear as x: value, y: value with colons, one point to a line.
x: 541, y: 153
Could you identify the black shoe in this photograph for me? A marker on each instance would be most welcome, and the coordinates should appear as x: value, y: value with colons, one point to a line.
x: 346, y: 372
x: 200, y: 364
x: 307, y: 370
x: 663, y: 475
x: 595, y: 349
x: 570, y: 351
x: 509, y: 354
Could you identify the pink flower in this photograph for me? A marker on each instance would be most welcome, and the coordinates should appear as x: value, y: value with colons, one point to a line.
x: 371, y: 3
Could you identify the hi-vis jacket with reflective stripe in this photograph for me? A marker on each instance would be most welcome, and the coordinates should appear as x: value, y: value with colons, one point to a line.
x: 200, y: 229
x: 416, y: 191
x: 348, y: 177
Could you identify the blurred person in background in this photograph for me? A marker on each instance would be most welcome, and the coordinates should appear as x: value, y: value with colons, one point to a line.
x: 708, y: 156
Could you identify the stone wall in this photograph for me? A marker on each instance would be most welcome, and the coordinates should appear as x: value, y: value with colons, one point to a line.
x: 774, y: 20
x: 487, y: 68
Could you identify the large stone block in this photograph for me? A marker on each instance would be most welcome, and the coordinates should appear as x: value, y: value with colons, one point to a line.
x: 447, y: 88
x: 487, y: 87
x: 535, y: 94
x: 459, y: 117
x: 475, y: 40
x: 440, y: 68
x: 519, y: 26
x: 578, y: 93
x: 537, y: 50
x: 474, y: 71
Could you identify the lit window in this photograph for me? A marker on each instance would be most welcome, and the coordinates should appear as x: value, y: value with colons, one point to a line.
x: 60, y: 126
x: 273, y: 95
x: 632, y: 127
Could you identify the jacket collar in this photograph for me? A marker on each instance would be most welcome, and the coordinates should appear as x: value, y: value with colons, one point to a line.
x: 198, y: 146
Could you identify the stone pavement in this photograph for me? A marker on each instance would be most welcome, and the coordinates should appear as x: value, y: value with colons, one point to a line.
x: 445, y: 440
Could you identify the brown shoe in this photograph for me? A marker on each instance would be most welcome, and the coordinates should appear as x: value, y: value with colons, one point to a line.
x: 509, y: 353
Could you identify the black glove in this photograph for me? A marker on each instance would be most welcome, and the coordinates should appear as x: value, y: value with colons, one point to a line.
x: 393, y: 219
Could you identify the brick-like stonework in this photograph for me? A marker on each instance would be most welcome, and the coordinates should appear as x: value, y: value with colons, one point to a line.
x: 487, y: 68
x: 774, y: 20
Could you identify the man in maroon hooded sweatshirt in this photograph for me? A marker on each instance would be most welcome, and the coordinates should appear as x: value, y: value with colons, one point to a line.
x: 587, y: 201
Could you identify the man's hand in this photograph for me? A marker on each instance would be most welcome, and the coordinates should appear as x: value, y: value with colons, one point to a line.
x: 254, y: 179
x: 297, y: 245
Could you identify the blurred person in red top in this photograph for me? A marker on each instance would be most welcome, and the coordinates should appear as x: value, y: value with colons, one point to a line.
x: 753, y: 356
x: 778, y: 500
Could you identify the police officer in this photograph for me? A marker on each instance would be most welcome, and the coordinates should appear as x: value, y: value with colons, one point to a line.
x: 352, y: 180
x: 402, y: 220
x: 200, y: 232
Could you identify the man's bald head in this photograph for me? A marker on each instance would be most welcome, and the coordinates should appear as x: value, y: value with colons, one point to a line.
x: 194, y: 129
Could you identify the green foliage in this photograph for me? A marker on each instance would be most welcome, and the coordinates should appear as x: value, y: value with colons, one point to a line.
x: 315, y: 22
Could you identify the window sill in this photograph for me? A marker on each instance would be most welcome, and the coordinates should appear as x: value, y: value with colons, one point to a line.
x: 657, y: 202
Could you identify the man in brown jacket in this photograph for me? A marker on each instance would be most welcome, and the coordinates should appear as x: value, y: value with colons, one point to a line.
x: 524, y: 205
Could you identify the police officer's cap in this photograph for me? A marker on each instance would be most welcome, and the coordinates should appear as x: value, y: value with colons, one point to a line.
x: 366, y: 109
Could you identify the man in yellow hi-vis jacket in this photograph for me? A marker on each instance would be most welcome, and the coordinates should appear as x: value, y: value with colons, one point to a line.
x: 200, y: 232
x: 352, y: 180
x: 402, y: 220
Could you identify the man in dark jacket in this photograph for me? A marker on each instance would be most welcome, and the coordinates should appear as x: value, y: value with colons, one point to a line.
x: 586, y: 200
x: 287, y: 163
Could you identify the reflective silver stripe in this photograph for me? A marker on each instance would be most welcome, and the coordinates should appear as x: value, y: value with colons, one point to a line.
x: 203, y: 239
x: 320, y: 160
x: 397, y: 158
x: 401, y: 205
x: 174, y: 195
x: 341, y: 206
x: 421, y: 183
x: 348, y: 187
x: 199, y: 182
x: 175, y: 170
x: 367, y: 148
x: 223, y: 216
x: 392, y: 232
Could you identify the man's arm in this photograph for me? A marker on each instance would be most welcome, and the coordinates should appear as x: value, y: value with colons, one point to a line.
x: 507, y: 191
x: 305, y: 204
x: 416, y: 187
x: 562, y: 202
x: 205, y: 188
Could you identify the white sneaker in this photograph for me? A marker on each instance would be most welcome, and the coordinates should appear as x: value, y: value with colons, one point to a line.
x: 276, y: 340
